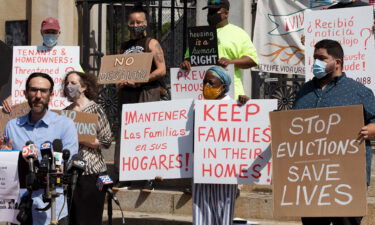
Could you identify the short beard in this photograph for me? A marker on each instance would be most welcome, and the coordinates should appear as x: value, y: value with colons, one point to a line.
x: 38, y: 110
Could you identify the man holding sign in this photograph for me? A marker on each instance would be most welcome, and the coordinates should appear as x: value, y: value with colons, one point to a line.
x: 234, y: 44
x: 331, y: 87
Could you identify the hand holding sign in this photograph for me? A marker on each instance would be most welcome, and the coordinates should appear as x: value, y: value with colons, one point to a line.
x: 368, y: 132
x: 6, y: 144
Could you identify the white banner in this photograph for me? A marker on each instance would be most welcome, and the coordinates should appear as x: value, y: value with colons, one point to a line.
x: 9, y: 186
x: 232, y: 143
x: 277, y: 36
x: 352, y: 27
x: 189, y: 84
x: 157, y: 140
x: 55, y: 62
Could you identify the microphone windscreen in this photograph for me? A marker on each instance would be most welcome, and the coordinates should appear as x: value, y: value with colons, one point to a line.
x: 66, y: 154
x: 57, y: 145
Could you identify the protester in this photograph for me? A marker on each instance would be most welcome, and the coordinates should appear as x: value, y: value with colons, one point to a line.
x: 50, y: 31
x: 88, y: 200
x: 331, y: 87
x: 41, y: 125
x: 130, y: 92
x: 234, y: 44
x: 214, y: 203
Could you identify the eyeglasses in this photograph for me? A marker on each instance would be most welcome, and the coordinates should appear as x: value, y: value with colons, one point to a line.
x: 43, y: 91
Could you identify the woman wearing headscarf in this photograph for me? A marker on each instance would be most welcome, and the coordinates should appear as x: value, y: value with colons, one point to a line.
x: 214, y: 203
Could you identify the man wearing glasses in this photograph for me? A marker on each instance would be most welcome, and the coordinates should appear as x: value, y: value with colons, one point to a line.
x: 40, y: 125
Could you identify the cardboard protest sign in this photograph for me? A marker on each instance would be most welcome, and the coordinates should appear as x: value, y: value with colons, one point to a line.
x: 55, y: 62
x: 318, y: 165
x: 157, y: 140
x: 17, y: 111
x: 352, y: 27
x: 125, y: 67
x: 189, y: 84
x: 232, y: 142
x: 203, y: 45
x: 86, y: 123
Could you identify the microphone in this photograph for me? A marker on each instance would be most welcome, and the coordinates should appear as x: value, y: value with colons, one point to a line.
x: 76, y: 166
x: 105, y: 181
x: 65, y: 156
x: 30, y: 153
x: 57, y: 151
x: 46, y: 151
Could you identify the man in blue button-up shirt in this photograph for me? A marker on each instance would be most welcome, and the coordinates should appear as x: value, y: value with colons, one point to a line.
x: 331, y: 87
x: 41, y: 125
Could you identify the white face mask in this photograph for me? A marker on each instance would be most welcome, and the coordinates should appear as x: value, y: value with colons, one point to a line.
x: 50, y: 40
x: 72, y: 91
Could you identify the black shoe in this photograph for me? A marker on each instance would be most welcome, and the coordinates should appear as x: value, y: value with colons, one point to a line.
x: 122, y: 184
x: 149, y: 187
x: 188, y: 191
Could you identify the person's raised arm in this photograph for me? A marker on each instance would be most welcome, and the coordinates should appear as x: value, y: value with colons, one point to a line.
x: 7, y: 104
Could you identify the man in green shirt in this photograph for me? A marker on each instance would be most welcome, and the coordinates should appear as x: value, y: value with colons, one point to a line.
x: 234, y: 44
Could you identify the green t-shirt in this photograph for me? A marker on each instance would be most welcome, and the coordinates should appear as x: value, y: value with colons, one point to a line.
x: 234, y: 43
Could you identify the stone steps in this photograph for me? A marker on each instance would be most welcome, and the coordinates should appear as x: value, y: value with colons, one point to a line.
x: 168, y: 200
x: 250, y: 205
x: 136, y: 218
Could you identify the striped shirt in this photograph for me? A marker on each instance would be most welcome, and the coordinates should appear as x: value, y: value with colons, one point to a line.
x: 94, y: 159
x: 213, y: 204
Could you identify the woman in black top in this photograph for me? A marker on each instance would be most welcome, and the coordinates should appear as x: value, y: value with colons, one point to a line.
x: 139, y: 42
x: 130, y: 92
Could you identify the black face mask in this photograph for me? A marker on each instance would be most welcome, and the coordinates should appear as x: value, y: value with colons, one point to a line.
x: 137, y: 31
x: 213, y: 19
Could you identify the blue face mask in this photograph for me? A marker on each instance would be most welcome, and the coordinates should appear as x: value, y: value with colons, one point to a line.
x: 50, y: 40
x: 319, y: 69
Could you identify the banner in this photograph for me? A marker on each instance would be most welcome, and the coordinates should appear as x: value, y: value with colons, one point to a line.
x: 278, y: 32
x: 352, y: 27
x: 189, y: 84
x: 232, y: 142
x: 203, y: 45
x: 125, y: 67
x: 9, y: 186
x: 17, y: 111
x: 318, y: 165
x: 86, y: 124
x: 157, y: 140
x: 55, y: 62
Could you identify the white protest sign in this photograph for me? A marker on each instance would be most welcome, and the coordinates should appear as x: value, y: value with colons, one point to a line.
x: 55, y: 62
x: 232, y: 143
x: 157, y: 140
x: 352, y: 28
x: 278, y: 31
x: 9, y: 186
x: 189, y: 84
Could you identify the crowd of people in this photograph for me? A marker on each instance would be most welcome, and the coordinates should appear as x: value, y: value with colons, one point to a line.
x: 213, y: 204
